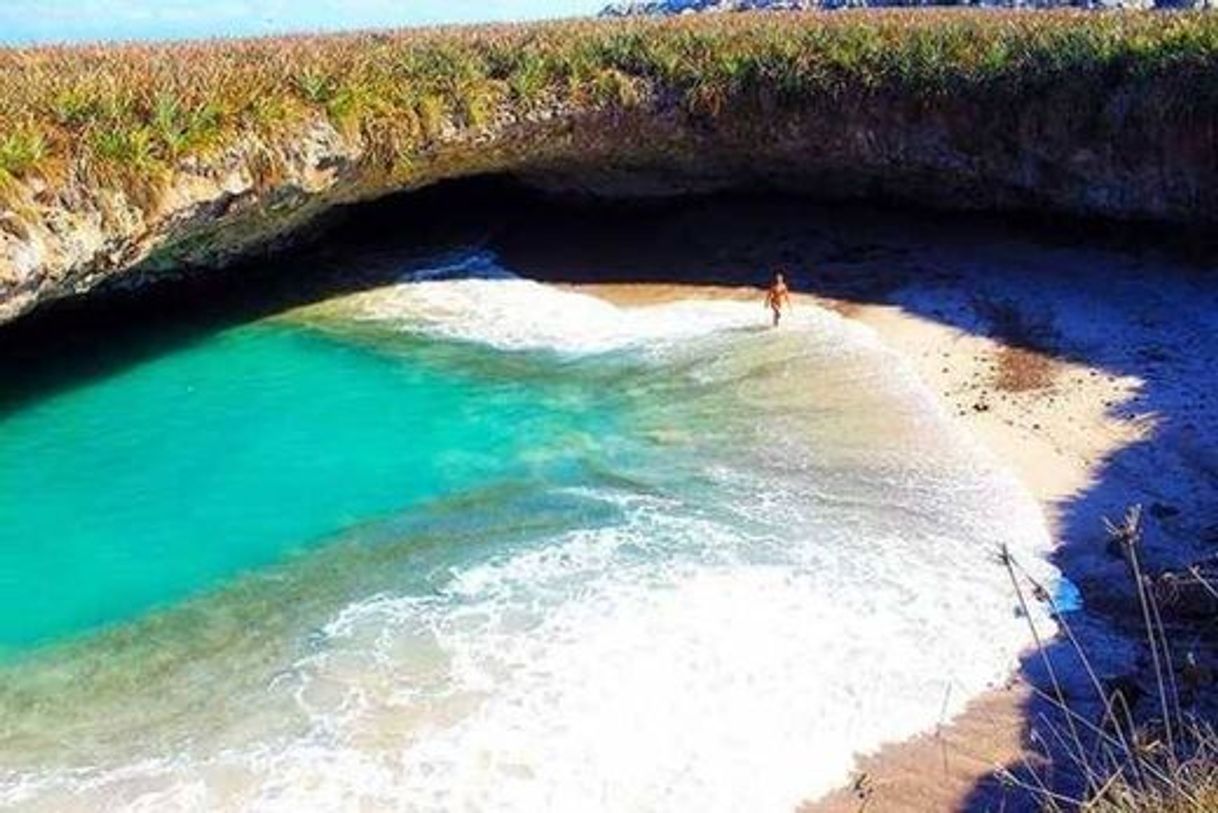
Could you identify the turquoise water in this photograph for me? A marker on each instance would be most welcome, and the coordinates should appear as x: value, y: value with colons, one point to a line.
x: 145, y: 487
x: 470, y: 544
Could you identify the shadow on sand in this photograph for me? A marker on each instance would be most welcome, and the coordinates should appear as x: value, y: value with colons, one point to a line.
x: 1124, y: 303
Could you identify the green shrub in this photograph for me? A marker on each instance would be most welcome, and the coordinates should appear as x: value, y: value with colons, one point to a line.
x: 145, y: 107
x: 20, y: 152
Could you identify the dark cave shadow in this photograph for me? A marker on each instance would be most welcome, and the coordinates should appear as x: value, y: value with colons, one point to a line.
x: 871, y: 256
x: 856, y: 254
x: 112, y: 329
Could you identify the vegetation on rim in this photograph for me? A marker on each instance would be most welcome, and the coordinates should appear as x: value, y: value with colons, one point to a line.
x: 125, y: 116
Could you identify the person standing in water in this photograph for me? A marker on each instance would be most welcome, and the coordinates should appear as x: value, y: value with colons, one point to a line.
x: 778, y: 297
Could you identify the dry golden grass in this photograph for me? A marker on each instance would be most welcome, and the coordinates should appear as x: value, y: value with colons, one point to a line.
x: 1163, y: 760
x: 125, y: 116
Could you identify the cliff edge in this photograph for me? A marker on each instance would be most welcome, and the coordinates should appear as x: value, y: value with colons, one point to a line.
x: 120, y: 165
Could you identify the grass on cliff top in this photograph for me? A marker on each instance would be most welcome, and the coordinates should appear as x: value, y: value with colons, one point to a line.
x: 124, y: 117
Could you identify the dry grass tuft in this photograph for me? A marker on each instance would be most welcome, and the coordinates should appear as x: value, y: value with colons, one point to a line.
x: 1162, y: 762
x: 124, y: 117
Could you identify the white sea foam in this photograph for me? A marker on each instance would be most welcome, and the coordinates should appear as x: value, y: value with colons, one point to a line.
x: 722, y: 657
x: 476, y: 300
x: 578, y: 676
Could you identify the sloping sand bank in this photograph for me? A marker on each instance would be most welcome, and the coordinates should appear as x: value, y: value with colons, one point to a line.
x: 1091, y: 374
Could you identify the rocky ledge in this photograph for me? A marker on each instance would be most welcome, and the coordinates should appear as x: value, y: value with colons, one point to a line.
x: 947, y: 151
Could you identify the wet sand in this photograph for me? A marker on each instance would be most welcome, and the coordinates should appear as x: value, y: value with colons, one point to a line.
x: 1091, y: 370
x: 1057, y: 422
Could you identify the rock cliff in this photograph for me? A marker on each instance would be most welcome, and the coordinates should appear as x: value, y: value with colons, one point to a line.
x: 1033, y: 152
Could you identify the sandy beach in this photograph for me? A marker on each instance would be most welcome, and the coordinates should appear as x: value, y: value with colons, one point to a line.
x: 1054, y: 460
x: 1090, y: 388
x: 1085, y: 366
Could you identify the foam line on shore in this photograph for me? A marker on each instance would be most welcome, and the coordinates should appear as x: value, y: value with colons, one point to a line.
x: 732, y: 642
x: 473, y: 298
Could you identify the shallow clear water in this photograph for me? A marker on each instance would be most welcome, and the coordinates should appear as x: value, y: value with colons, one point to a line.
x: 482, y: 544
x: 170, y: 477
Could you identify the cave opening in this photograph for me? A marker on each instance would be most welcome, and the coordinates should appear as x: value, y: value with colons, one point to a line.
x: 728, y: 238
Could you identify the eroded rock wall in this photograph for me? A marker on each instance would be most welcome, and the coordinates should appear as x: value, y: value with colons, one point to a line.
x: 945, y: 155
